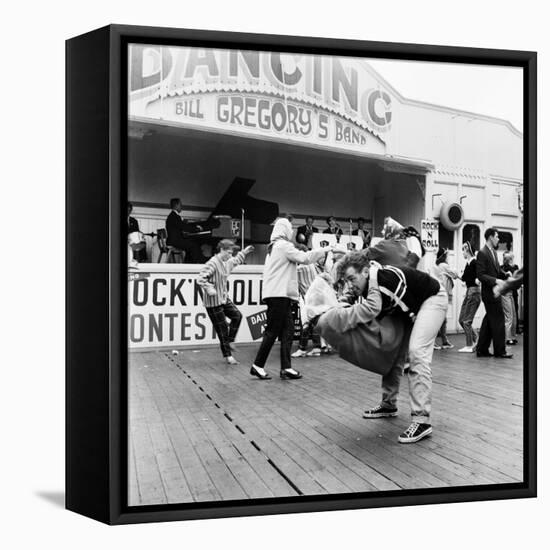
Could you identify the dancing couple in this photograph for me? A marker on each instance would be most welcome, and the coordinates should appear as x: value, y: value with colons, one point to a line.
x: 401, y: 312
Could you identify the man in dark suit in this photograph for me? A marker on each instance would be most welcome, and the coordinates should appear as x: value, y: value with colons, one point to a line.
x: 333, y: 228
x: 305, y: 232
x: 488, y: 272
x: 176, y: 227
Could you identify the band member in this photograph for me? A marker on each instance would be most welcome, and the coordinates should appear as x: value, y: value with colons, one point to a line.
x: 489, y: 272
x: 133, y: 224
x: 305, y: 232
x: 362, y: 232
x: 139, y: 252
x: 213, y: 280
x: 280, y: 290
x: 423, y: 301
x: 179, y: 233
x: 333, y: 228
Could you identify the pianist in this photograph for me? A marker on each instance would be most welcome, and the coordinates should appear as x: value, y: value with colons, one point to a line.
x: 180, y: 233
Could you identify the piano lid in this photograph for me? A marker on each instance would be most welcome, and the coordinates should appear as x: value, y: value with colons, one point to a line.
x: 236, y: 198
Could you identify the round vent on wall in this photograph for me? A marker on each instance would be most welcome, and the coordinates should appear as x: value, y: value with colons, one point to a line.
x: 451, y: 215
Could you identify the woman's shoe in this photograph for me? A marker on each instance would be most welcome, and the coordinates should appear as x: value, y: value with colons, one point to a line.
x: 290, y: 374
x: 259, y: 372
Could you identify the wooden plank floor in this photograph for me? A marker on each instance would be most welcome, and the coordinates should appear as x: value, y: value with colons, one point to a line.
x: 200, y: 430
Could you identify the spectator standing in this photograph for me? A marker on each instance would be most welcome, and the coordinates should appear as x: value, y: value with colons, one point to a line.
x: 489, y: 272
x: 472, y: 299
x: 443, y: 272
x: 508, y: 300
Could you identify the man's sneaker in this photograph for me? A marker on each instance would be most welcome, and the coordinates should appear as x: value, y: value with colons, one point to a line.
x: 437, y: 346
x: 315, y: 352
x: 466, y: 349
x: 415, y: 432
x: 380, y: 412
x: 299, y: 353
x: 447, y: 345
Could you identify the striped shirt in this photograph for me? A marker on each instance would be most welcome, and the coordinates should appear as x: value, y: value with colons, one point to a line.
x: 306, y: 275
x: 213, y: 276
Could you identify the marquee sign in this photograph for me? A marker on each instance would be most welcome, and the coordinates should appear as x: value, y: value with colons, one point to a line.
x: 324, y: 100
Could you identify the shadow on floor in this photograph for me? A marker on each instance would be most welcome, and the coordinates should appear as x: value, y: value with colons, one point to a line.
x: 56, y: 498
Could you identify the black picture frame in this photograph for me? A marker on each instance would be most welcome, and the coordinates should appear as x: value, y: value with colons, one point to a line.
x: 96, y: 334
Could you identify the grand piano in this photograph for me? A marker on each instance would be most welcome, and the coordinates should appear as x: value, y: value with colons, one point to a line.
x: 224, y: 221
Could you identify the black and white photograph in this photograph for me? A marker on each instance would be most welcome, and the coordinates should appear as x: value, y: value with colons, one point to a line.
x: 325, y: 275
x: 275, y: 275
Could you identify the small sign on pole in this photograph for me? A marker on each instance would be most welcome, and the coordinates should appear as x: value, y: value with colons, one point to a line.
x: 429, y: 233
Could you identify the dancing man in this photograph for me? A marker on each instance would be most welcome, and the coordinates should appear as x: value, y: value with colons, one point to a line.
x: 423, y: 301
x: 213, y: 280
